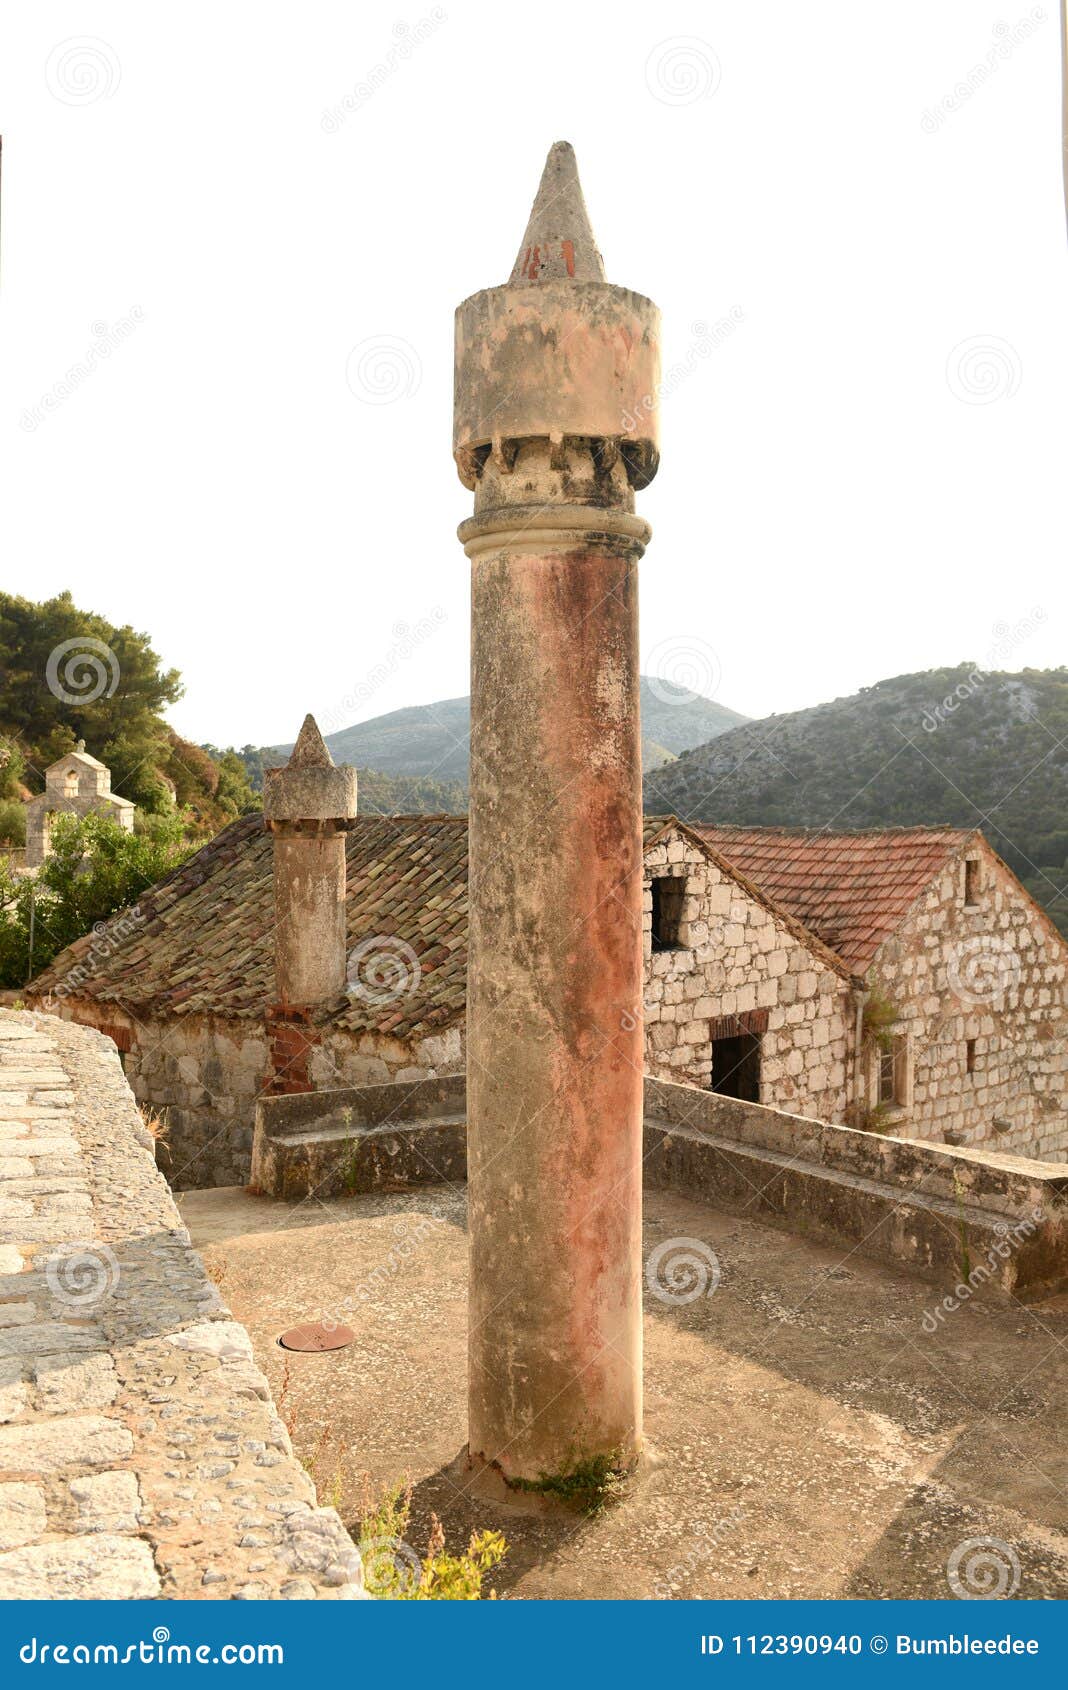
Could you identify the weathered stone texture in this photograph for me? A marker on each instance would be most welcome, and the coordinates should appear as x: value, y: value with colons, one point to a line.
x: 993, y: 972
x: 203, y: 1076
x: 137, y: 1435
x: 737, y: 959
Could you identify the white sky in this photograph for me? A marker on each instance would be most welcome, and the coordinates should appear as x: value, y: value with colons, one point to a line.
x: 829, y: 510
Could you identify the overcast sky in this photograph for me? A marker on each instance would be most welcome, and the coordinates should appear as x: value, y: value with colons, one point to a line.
x: 250, y: 224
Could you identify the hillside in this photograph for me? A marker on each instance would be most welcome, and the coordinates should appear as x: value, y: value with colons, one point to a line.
x: 68, y: 674
x: 432, y: 739
x: 894, y: 754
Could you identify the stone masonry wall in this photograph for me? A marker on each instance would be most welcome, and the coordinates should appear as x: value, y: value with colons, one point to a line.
x: 735, y: 959
x: 203, y: 1076
x: 140, y: 1452
x: 994, y: 973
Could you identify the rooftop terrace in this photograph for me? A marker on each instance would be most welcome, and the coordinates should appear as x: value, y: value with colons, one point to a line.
x: 815, y: 1428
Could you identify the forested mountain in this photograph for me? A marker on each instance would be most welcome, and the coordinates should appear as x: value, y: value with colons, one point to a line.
x: 432, y: 740
x: 957, y: 746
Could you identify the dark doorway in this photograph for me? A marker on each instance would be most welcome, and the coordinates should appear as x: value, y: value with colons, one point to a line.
x: 736, y: 1067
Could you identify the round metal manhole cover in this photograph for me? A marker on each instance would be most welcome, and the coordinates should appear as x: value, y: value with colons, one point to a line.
x: 313, y: 1337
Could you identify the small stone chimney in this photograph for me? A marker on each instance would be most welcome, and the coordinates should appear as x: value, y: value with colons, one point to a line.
x: 308, y: 806
x: 557, y: 379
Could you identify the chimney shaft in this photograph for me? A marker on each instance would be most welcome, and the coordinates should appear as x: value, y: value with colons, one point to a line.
x: 308, y: 807
x: 556, y: 382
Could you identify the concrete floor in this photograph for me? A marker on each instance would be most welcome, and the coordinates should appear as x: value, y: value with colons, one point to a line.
x: 808, y: 1437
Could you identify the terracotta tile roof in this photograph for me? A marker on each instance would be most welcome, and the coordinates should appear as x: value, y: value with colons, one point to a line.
x: 204, y: 940
x: 851, y: 889
x: 657, y: 825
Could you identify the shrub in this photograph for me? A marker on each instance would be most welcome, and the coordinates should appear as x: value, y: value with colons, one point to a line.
x: 394, y: 1572
x: 95, y: 869
x: 12, y: 822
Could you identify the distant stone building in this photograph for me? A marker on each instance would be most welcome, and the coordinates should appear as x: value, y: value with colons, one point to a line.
x: 76, y: 785
x: 870, y: 978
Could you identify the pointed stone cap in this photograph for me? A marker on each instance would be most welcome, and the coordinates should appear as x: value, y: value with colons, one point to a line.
x: 310, y: 788
x: 557, y: 351
x: 559, y: 243
x: 310, y: 750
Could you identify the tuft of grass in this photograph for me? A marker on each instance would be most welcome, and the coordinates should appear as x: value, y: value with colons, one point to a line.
x: 589, y: 1482
x: 875, y: 1118
x: 879, y: 1016
x: 155, y: 1126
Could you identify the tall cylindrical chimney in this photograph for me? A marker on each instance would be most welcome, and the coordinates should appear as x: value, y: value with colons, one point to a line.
x: 557, y: 376
x: 308, y: 805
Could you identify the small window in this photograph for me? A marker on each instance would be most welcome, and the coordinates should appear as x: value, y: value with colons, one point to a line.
x: 668, y: 893
x: 736, y: 1067
x: 971, y: 881
x: 969, y: 1056
x: 893, y: 1073
x: 886, y: 1076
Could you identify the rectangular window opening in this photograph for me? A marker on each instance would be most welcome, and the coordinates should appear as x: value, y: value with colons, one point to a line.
x: 969, y: 1058
x: 668, y: 893
x: 971, y: 881
x: 893, y: 1073
x: 736, y: 1067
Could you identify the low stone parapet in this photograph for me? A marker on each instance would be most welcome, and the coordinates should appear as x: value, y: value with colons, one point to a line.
x: 941, y: 1211
x: 141, y: 1454
x: 363, y: 1138
x: 954, y: 1214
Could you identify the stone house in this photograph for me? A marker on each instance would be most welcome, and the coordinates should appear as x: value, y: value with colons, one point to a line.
x: 965, y: 974
x: 838, y: 976
x: 184, y: 984
x: 740, y: 997
x: 76, y: 785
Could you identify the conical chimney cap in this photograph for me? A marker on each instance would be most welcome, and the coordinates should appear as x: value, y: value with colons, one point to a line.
x: 309, y: 788
x: 559, y: 243
x: 311, y: 750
